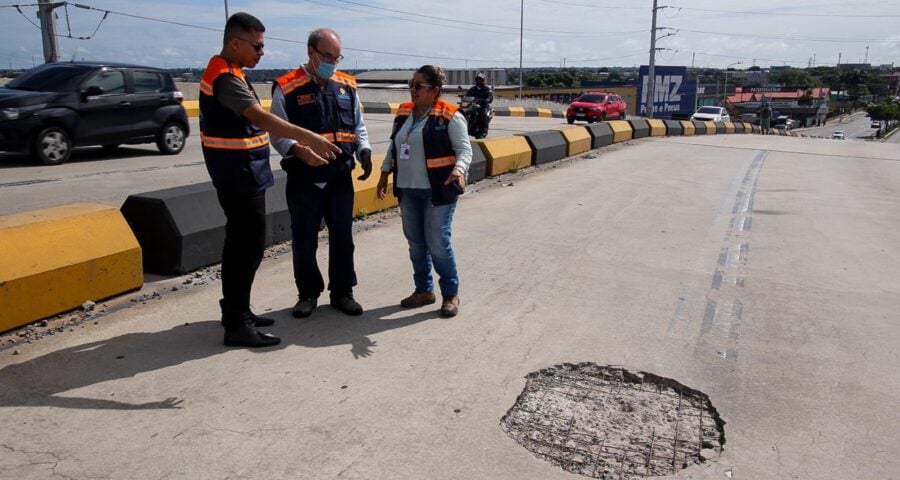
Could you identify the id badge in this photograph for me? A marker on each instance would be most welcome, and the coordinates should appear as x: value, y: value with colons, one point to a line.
x: 404, y: 151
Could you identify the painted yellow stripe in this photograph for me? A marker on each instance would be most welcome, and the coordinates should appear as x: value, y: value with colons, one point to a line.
x: 504, y: 154
x: 657, y: 127
x: 622, y: 130
x: 56, y: 259
x: 365, y: 200
x: 710, y: 128
x: 545, y: 112
x: 729, y: 127
x: 578, y: 139
x: 688, y: 127
x: 395, y: 108
x: 516, y: 111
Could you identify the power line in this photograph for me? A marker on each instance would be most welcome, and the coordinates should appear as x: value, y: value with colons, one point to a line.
x: 804, y: 39
x: 778, y: 14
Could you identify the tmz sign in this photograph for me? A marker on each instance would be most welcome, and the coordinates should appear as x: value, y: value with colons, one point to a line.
x: 673, y: 91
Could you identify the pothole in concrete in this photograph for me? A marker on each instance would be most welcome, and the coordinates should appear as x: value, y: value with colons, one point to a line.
x: 606, y: 422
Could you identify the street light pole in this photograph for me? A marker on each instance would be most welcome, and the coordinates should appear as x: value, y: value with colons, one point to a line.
x: 226, y: 10
x: 725, y: 93
x: 521, y: 43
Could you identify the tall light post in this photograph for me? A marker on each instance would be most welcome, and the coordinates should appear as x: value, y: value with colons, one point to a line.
x: 226, y: 10
x: 521, y: 43
x: 725, y: 93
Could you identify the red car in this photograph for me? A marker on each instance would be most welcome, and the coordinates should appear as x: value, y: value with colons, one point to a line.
x: 597, y: 107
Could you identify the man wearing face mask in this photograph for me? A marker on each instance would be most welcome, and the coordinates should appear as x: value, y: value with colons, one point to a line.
x: 319, y: 98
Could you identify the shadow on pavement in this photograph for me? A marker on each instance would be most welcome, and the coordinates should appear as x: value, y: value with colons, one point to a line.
x: 38, y: 382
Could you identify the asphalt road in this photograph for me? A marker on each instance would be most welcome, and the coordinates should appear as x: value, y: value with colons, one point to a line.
x: 93, y: 175
x: 760, y: 270
x: 855, y: 127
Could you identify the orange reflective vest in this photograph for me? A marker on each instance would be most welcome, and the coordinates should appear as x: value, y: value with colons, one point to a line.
x: 236, y: 152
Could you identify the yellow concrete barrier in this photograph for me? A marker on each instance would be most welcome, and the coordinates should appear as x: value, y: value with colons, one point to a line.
x: 622, y: 130
x: 545, y: 112
x: 504, y: 154
x: 516, y: 111
x: 688, y: 127
x: 578, y: 139
x: 365, y: 199
x: 394, y: 107
x: 710, y: 128
x: 657, y: 127
x: 729, y: 127
x: 56, y: 259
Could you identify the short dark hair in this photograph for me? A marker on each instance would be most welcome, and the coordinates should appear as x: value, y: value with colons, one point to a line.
x: 316, y: 36
x: 242, y: 23
x: 434, y: 75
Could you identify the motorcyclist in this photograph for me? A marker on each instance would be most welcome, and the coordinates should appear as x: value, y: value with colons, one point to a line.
x: 483, y: 95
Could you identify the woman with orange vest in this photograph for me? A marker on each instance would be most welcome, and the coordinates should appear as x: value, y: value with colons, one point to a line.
x: 429, y: 157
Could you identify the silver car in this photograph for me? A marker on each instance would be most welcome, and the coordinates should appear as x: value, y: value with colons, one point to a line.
x: 711, y: 114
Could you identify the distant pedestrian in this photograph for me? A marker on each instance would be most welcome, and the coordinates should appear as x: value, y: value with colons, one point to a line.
x: 765, y: 117
x: 429, y: 157
x: 233, y: 130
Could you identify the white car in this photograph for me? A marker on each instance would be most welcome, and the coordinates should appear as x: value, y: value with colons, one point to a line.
x: 838, y: 135
x: 875, y: 124
x: 711, y: 114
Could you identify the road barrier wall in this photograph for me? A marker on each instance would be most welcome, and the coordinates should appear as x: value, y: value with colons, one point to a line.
x: 59, y: 252
x: 699, y: 127
x: 546, y: 146
x: 674, y: 128
x: 711, y: 128
x: 58, y: 258
x: 657, y: 127
x: 601, y: 134
x: 622, y: 130
x: 577, y: 138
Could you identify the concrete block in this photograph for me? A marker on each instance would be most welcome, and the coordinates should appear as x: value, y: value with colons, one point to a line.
x: 365, y: 198
x: 478, y: 167
x: 531, y: 112
x: 505, y: 154
x: 56, y: 259
x: 640, y: 128
x: 578, y: 139
x: 547, y: 146
x: 674, y: 127
x: 700, y: 127
x: 516, y: 111
x: 688, y: 127
x: 601, y: 134
x: 657, y: 127
x: 720, y: 127
x: 379, y: 107
x: 545, y: 113
x: 182, y: 229
x: 622, y: 130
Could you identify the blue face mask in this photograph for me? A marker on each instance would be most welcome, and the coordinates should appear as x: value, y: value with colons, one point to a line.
x: 325, y: 70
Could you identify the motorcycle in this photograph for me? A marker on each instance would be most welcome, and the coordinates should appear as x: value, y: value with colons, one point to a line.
x: 472, y: 109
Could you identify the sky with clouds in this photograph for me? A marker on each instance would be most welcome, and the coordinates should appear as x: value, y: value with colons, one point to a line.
x: 472, y: 33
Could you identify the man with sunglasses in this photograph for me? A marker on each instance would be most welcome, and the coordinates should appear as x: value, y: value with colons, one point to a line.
x: 317, y: 97
x: 233, y: 130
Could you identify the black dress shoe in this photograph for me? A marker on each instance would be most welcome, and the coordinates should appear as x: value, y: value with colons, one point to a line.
x: 262, y: 321
x: 246, y: 335
x: 257, y: 320
x: 304, y: 307
x: 347, y: 304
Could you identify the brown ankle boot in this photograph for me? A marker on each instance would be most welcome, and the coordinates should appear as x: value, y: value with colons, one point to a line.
x: 418, y: 299
x: 450, y: 306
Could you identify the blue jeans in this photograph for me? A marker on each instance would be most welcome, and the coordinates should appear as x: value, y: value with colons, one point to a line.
x: 427, y: 230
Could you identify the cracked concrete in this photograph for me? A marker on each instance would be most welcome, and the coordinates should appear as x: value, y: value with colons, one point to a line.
x: 607, y: 259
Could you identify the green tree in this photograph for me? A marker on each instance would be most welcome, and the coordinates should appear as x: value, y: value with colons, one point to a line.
x: 794, y: 78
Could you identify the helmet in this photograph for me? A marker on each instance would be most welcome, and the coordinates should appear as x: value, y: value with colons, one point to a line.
x: 480, y: 76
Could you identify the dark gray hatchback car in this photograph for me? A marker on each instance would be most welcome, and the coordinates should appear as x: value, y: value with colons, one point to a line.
x: 50, y: 109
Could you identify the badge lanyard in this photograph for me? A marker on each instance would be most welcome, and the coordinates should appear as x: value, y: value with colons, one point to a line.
x: 405, y: 147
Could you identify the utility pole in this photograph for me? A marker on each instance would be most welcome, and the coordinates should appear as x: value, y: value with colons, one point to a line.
x: 226, y: 11
x: 867, y: 55
x: 839, y: 59
x: 521, y: 40
x: 650, y: 91
x: 48, y: 29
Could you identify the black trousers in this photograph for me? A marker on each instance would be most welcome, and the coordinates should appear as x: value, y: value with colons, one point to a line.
x: 308, y: 205
x: 245, y: 243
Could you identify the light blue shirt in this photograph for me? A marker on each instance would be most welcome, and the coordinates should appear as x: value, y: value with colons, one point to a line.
x: 415, y: 173
x: 284, y: 145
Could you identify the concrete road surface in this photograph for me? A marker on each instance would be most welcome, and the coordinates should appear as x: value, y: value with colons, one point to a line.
x: 93, y: 175
x: 759, y: 270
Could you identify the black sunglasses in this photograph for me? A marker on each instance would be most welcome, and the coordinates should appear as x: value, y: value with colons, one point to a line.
x: 413, y: 85
x: 257, y: 46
